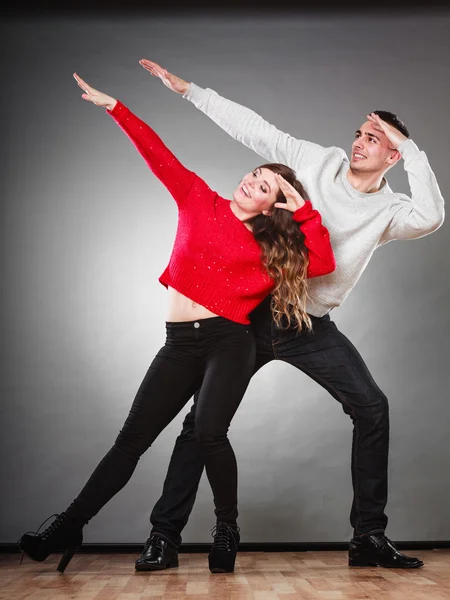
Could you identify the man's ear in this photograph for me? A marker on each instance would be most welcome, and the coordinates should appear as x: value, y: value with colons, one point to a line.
x: 394, y: 157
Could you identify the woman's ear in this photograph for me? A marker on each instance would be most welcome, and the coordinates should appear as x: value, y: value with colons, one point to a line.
x: 267, y: 212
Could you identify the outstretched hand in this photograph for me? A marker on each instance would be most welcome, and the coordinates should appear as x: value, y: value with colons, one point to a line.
x: 294, y: 200
x: 174, y: 83
x: 94, y: 96
x: 395, y: 136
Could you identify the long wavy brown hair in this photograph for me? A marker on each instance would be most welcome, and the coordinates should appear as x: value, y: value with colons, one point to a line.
x: 285, y: 256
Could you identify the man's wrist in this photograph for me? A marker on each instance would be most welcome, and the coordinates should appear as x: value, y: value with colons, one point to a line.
x: 186, y: 89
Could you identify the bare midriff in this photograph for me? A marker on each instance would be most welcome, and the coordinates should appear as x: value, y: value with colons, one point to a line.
x: 181, y: 308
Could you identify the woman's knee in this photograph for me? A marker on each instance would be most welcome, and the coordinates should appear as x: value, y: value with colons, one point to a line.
x: 132, y: 446
x: 208, y: 434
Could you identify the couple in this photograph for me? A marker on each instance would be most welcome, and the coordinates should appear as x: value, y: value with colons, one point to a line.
x: 361, y: 213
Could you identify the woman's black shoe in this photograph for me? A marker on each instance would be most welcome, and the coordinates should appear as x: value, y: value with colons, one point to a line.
x: 63, y: 535
x: 159, y: 553
x: 224, y: 549
x: 377, y: 550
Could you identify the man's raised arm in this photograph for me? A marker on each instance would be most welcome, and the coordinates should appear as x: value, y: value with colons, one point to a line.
x: 243, y: 124
x: 423, y: 212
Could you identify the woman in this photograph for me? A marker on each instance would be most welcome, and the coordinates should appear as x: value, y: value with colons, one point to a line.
x: 215, y: 278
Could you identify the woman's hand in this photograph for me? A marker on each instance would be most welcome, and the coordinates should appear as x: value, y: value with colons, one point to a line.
x: 294, y: 201
x: 94, y: 96
x: 174, y: 83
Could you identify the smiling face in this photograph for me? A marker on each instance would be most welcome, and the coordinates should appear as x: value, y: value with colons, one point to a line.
x: 257, y: 192
x: 371, y: 151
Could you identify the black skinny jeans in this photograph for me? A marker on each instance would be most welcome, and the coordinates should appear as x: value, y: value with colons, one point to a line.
x: 329, y: 358
x: 213, y: 358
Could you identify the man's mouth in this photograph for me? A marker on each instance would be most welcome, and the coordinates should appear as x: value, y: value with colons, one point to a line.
x: 358, y: 156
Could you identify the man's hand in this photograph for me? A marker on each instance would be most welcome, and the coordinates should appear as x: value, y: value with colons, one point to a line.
x: 294, y: 201
x: 395, y: 136
x: 94, y: 96
x: 174, y: 83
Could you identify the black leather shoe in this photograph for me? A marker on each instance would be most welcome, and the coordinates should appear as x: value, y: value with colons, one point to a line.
x: 159, y: 553
x: 224, y: 549
x: 63, y: 535
x: 377, y: 550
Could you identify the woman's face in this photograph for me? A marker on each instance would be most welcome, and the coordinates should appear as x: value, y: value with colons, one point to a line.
x: 257, y: 192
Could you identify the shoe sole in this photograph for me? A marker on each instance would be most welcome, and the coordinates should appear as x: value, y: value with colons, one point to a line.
x: 155, y: 567
x: 355, y: 563
x: 218, y: 570
x: 35, y: 558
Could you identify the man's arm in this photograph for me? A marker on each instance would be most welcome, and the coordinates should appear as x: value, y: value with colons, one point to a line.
x: 249, y: 128
x: 423, y: 213
x: 243, y: 124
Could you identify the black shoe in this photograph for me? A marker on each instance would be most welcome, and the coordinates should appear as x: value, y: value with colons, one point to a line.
x: 159, y: 553
x: 378, y: 550
x: 224, y: 549
x: 63, y: 535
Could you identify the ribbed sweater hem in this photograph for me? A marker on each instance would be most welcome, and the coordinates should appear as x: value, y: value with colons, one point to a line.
x: 213, y: 298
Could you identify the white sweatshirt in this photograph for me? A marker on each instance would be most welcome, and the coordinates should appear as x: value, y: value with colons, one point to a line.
x: 358, y: 222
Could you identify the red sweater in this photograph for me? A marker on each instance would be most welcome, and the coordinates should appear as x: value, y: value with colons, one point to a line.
x: 215, y: 260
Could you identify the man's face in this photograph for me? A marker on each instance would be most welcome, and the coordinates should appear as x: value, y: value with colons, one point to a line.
x: 371, y: 151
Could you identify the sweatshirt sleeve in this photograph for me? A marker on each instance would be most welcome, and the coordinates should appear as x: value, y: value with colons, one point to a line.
x: 167, y: 168
x: 249, y: 128
x: 317, y: 240
x: 423, y: 213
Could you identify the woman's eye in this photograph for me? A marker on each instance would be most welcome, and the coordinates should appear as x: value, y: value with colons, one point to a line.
x: 263, y: 189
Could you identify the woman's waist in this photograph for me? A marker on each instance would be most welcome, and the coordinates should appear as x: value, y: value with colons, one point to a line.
x: 184, y: 309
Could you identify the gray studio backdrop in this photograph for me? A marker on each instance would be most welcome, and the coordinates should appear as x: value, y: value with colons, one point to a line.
x: 87, y: 230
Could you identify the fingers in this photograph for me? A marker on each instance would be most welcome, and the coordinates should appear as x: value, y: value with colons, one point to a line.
x: 285, y: 186
x: 377, y: 121
x: 81, y: 83
x: 152, y: 67
x: 88, y: 91
x: 282, y: 205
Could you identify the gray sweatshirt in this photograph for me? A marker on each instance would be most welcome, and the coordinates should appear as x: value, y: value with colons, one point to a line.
x: 358, y: 222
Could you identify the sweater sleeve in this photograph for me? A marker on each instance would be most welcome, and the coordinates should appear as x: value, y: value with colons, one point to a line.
x: 317, y: 240
x: 423, y: 213
x: 167, y: 168
x: 249, y: 128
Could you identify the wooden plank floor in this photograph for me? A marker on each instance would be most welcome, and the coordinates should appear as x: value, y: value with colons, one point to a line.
x: 258, y: 576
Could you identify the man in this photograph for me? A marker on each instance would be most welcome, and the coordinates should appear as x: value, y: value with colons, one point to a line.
x: 361, y: 213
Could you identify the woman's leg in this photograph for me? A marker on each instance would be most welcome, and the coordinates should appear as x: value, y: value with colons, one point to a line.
x: 167, y: 386
x: 229, y: 361
x: 229, y: 368
x: 169, y: 383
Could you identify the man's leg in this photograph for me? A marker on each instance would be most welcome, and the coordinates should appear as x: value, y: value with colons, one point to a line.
x: 171, y: 512
x: 329, y: 358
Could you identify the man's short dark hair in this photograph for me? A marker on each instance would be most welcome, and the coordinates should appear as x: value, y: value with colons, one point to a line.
x: 392, y: 120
